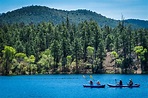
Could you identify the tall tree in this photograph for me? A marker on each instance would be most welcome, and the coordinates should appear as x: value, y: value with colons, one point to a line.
x: 55, y: 49
x: 8, y: 55
x: 77, y: 52
x: 90, y: 54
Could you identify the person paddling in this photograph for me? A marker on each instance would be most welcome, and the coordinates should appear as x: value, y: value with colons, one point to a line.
x: 98, y: 82
x: 130, y: 82
x: 91, y: 82
x: 120, y: 82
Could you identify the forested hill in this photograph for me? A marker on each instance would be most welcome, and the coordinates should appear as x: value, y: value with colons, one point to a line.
x: 73, y: 46
x: 38, y: 14
x: 137, y: 23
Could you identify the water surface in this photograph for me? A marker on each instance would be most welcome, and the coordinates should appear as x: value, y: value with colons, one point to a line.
x: 70, y: 86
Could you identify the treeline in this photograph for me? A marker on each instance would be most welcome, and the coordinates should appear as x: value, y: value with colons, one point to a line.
x: 68, y: 48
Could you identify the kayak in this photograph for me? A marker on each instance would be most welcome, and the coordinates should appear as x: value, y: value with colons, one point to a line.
x: 135, y: 85
x: 94, y: 86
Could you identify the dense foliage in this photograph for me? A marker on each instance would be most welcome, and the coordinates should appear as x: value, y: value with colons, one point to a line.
x: 46, y: 48
x: 38, y: 14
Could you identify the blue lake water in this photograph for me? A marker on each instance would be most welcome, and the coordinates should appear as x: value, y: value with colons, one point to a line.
x: 70, y: 86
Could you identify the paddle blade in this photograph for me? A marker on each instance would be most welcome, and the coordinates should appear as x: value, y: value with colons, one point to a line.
x: 83, y: 76
x: 91, y: 76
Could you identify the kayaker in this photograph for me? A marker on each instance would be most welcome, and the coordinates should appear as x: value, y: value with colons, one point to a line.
x: 91, y: 82
x: 98, y: 82
x: 130, y: 82
x: 120, y: 82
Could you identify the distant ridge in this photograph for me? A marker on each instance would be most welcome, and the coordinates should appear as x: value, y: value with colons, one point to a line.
x: 137, y: 23
x: 38, y: 14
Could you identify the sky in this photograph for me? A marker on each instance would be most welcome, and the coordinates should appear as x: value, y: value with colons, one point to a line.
x: 130, y: 9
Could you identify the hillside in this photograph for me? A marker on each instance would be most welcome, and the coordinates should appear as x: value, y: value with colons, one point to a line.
x: 38, y: 14
x: 45, y: 48
x: 137, y: 23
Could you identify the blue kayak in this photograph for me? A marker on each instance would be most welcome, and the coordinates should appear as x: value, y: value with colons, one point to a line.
x: 94, y: 86
x: 114, y: 85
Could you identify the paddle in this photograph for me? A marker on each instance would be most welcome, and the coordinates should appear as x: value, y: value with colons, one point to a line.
x: 91, y: 77
x: 85, y: 77
x: 98, y: 83
x: 116, y: 82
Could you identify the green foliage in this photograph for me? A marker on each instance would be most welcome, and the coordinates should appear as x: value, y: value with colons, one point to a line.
x: 90, y: 51
x: 31, y: 59
x: 8, y: 55
x: 45, y: 62
x: 8, y: 52
x: 20, y: 55
x: 38, y: 14
x: 114, y: 54
x: 69, y: 59
x: 140, y: 51
x: 119, y: 61
x: 66, y: 47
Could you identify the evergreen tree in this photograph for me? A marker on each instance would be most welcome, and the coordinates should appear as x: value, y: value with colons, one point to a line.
x: 55, y: 49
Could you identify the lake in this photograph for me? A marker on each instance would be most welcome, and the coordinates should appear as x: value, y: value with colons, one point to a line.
x: 70, y: 86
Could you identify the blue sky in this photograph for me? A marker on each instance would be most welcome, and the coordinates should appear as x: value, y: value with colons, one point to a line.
x: 135, y: 9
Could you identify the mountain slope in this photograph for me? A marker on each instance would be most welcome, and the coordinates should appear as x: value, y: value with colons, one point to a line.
x: 37, y: 14
x: 137, y: 23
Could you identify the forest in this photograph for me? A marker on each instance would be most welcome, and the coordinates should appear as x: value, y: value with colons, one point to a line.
x: 37, y: 14
x: 68, y: 48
